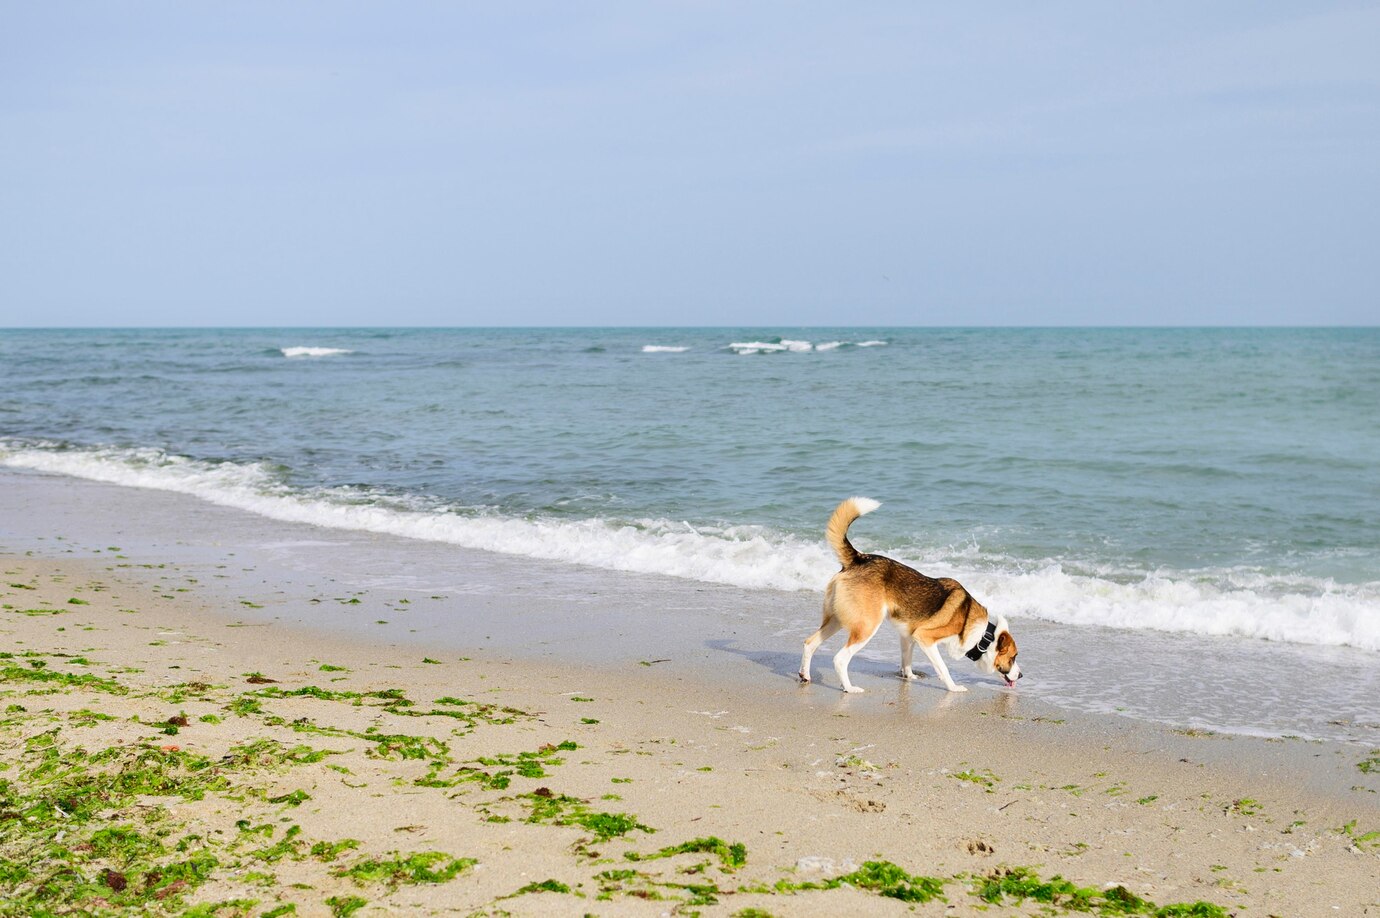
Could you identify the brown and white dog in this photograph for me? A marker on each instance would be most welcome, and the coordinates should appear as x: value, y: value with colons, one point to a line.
x: 871, y: 589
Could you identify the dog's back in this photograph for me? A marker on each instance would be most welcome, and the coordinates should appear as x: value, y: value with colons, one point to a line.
x: 937, y: 605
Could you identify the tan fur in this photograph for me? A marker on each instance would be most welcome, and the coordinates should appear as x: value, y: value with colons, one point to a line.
x: 877, y: 589
x: 836, y: 532
x: 871, y: 589
x: 1006, y: 652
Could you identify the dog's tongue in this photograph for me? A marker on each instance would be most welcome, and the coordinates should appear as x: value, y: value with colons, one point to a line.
x: 1009, y: 682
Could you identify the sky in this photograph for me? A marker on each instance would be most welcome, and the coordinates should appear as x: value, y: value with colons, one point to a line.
x: 693, y: 163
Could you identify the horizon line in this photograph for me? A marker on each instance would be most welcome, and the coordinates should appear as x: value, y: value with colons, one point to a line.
x: 1012, y: 327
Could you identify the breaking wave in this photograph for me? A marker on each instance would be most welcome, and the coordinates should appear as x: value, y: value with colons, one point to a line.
x: 313, y: 351
x: 788, y: 345
x: 1242, y: 602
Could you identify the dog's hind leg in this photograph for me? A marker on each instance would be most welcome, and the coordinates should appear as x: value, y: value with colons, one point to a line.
x: 826, y: 631
x: 940, y: 669
x: 907, y: 654
x: 857, y: 640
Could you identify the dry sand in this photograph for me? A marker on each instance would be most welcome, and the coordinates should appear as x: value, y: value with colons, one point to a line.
x: 622, y: 764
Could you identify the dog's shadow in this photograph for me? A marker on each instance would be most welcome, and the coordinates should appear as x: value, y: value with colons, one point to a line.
x: 787, y: 665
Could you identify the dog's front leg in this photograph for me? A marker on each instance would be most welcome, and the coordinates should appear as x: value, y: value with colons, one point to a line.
x: 940, y: 669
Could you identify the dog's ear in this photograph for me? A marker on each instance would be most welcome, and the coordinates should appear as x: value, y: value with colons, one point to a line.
x: 1005, y: 644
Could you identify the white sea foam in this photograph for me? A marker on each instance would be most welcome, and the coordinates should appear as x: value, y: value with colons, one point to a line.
x: 313, y: 351
x: 756, y: 347
x: 770, y: 347
x: 788, y: 345
x: 663, y: 349
x: 745, y: 556
x: 1222, y: 602
x: 1219, y: 602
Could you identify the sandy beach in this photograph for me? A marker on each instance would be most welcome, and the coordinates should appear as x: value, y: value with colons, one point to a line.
x: 427, y: 430
x: 171, y: 746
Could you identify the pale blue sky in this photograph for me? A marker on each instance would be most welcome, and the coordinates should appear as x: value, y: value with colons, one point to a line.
x: 689, y: 163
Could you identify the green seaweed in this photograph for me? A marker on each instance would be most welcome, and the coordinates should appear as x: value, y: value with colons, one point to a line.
x: 230, y: 908
x: 295, y: 798
x: 12, y: 673
x: 523, y: 764
x: 731, y: 856
x: 344, y: 906
x: 1363, y: 840
x: 286, y: 847
x: 329, y: 851
x: 87, y: 718
x: 244, y: 705
x: 560, y: 810
x: 271, y: 754
x: 395, y: 701
x: 1021, y: 883
x: 423, y: 867
x: 177, y: 694
x: 983, y: 778
x: 404, y: 746
x: 554, y: 886
x: 882, y: 877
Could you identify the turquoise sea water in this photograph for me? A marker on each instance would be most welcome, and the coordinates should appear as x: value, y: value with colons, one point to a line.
x: 1196, y: 481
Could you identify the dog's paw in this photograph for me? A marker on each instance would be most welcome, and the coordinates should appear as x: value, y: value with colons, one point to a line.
x: 958, y: 688
x: 911, y: 677
x: 854, y: 690
x: 804, y: 678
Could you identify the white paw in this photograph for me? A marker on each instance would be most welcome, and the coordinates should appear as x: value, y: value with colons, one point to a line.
x: 853, y: 690
x: 909, y: 677
x: 804, y: 679
x: 958, y: 688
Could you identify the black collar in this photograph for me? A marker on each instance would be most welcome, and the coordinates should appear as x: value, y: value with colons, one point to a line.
x: 983, y: 643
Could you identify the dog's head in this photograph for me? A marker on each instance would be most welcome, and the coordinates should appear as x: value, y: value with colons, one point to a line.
x: 1000, y: 658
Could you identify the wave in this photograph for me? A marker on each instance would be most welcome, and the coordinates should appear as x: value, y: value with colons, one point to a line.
x: 768, y: 347
x: 313, y: 351
x: 787, y: 345
x: 663, y: 349
x: 1239, y: 602
x: 1250, y: 604
x: 746, y: 556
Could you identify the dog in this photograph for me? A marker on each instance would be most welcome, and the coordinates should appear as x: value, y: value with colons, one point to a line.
x: 871, y: 589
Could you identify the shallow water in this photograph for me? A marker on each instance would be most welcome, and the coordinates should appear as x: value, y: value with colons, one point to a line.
x: 1198, y: 482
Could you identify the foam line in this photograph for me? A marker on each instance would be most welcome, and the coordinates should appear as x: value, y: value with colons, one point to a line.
x: 313, y: 351
x: 1219, y: 602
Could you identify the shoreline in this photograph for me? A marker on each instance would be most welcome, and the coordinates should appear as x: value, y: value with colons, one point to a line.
x: 354, y: 581
x: 988, y: 789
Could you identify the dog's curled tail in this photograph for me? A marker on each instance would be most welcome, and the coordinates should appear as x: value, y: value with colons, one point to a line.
x: 837, y: 530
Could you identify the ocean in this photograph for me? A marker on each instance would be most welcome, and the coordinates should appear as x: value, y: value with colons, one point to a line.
x: 1188, y: 482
